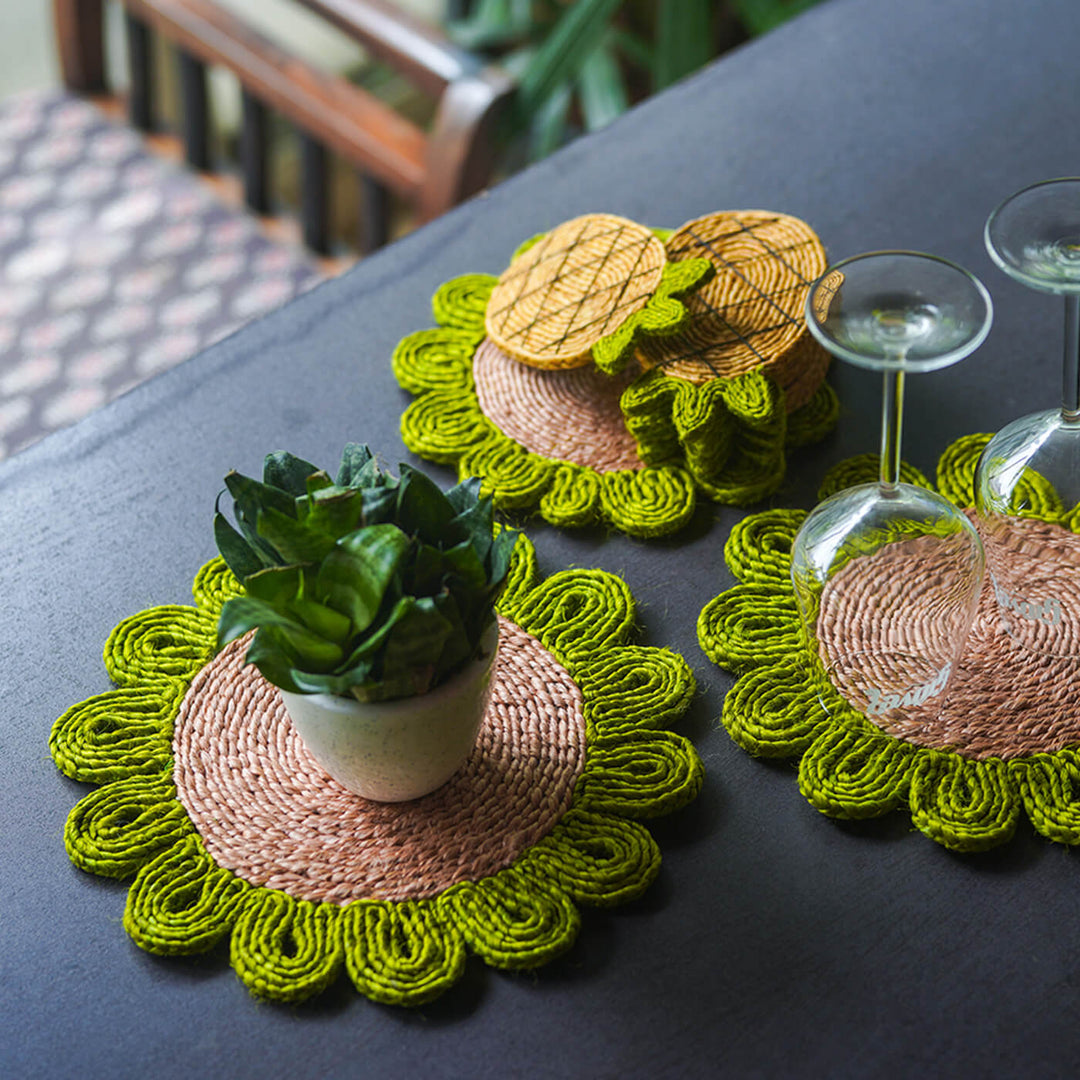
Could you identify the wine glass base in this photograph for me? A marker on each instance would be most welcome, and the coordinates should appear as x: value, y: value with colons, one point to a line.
x: 888, y: 578
x: 998, y: 700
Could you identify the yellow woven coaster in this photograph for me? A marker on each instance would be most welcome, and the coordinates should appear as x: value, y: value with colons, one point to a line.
x: 750, y: 315
x: 576, y: 285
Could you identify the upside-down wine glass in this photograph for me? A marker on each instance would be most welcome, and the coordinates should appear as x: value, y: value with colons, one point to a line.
x: 887, y: 575
x: 1030, y: 471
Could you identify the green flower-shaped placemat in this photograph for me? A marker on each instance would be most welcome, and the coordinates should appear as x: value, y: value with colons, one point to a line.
x: 562, y: 447
x: 232, y: 832
x: 966, y: 793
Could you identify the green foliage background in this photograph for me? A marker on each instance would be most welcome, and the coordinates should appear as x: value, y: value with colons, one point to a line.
x: 580, y: 63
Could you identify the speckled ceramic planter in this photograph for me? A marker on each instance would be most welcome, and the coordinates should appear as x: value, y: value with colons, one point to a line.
x: 391, y: 751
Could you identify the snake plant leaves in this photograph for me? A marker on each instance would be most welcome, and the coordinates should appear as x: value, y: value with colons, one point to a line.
x: 355, y: 574
x: 422, y: 508
x: 367, y: 585
x: 358, y: 466
x: 235, y: 550
x: 288, y: 472
x: 294, y: 541
x: 244, y: 613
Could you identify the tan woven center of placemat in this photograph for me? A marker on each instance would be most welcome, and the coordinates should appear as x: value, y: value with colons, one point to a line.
x: 1004, y: 701
x: 569, y: 415
x: 268, y: 812
x: 577, y: 284
x: 751, y: 314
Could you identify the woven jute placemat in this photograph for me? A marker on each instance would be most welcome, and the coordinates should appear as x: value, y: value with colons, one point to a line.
x: 1003, y: 740
x: 233, y: 834
x: 577, y: 284
x: 571, y: 415
x: 1003, y: 701
x: 751, y: 314
x: 268, y: 812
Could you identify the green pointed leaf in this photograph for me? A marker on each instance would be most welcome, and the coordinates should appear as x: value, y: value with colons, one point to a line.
x: 355, y: 459
x: 424, y: 576
x: 240, y: 557
x: 602, y: 88
x: 422, y: 508
x: 416, y: 642
x: 463, y: 560
x: 475, y: 524
x: 457, y: 647
x: 245, y: 613
x: 251, y: 497
x: 295, y: 541
x: 577, y: 33
x: 286, y: 471
x: 502, y: 551
x: 684, y: 39
x: 275, y: 585
x: 270, y: 655
x: 379, y: 505
x: 340, y: 683
x: 323, y: 620
x: 317, y: 482
x: 357, y: 572
x: 370, y: 645
x: 335, y: 511
x: 466, y: 495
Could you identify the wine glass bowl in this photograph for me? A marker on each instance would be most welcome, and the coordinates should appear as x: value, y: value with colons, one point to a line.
x: 887, y: 575
x: 1034, y: 236
x: 898, y: 309
x: 1027, y: 485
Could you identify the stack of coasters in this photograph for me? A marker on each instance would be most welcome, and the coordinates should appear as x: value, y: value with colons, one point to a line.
x: 742, y: 378
x: 605, y: 377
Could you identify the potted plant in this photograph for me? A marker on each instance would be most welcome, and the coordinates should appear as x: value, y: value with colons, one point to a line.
x: 372, y: 601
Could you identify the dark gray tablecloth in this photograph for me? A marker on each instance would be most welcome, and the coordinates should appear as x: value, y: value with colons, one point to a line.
x: 775, y: 942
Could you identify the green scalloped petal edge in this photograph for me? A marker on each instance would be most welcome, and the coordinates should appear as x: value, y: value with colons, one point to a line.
x: 733, y: 434
x: 396, y: 952
x: 445, y: 424
x: 848, y: 767
x: 664, y: 314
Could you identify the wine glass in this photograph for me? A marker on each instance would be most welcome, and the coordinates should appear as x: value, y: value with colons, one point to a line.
x: 1030, y: 471
x: 887, y: 575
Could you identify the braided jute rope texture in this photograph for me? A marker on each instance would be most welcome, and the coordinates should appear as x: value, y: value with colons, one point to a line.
x: 510, y: 896
x: 749, y: 316
x: 577, y: 284
x: 1006, y: 741
x: 726, y: 440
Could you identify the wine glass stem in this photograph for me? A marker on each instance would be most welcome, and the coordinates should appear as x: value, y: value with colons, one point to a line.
x: 1070, y: 386
x: 892, y: 420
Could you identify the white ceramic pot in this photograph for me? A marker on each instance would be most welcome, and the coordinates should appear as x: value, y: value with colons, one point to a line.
x: 391, y: 751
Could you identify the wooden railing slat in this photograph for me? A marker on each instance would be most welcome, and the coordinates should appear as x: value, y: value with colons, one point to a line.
x: 342, y: 117
x: 254, y: 153
x: 314, y: 194
x: 195, y: 111
x: 141, y: 68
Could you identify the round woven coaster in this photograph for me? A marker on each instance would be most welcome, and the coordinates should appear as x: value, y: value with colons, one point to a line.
x: 571, y: 415
x: 576, y: 285
x: 751, y: 315
x: 269, y: 813
x: 1004, y: 701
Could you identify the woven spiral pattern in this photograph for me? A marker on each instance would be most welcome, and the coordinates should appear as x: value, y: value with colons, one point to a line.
x: 267, y: 811
x: 306, y: 882
x: 751, y: 314
x: 571, y: 415
x: 1003, y: 742
x: 578, y: 283
x: 980, y: 717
